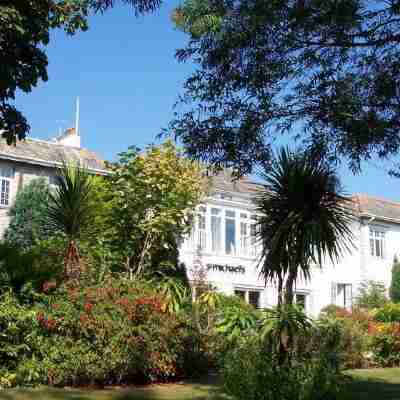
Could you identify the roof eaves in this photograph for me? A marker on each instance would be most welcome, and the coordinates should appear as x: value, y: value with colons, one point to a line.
x: 45, y: 163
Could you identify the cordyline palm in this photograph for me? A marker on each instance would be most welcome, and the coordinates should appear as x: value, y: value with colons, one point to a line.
x: 69, y: 211
x: 304, y: 219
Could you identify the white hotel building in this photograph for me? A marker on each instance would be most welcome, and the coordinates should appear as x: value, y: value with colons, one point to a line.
x: 222, y: 249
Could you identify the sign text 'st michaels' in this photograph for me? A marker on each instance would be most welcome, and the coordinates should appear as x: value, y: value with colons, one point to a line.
x: 239, y: 269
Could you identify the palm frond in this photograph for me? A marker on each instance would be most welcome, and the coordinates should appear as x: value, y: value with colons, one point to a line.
x: 305, y: 217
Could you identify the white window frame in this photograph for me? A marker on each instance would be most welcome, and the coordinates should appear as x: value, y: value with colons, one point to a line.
x: 306, y: 298
x: 377, y: 240
x: 247, y: 291
x: 6, y: 180
x: 347, y: 294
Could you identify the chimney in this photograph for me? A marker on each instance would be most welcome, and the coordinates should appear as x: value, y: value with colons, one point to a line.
x: 69, y: 138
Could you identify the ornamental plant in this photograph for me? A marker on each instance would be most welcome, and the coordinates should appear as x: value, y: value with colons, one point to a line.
x: 152, y: 196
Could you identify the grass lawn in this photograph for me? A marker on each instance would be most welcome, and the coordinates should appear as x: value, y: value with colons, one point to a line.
x: 379, y: 384
x: 206, y: 389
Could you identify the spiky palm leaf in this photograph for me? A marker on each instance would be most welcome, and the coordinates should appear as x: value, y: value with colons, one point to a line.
x: 69, y: 210
x: 304, y: 218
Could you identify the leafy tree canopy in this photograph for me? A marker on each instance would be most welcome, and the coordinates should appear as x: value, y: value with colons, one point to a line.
x: 152, y: 195
x: 327, y: 70
x: 24, y: 33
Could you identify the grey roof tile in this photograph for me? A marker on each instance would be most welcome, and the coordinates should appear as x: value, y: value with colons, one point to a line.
x: 42, y: 152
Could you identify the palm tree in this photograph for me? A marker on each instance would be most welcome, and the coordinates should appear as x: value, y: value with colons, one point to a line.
x: 69, y: 211
x: 304, y: 219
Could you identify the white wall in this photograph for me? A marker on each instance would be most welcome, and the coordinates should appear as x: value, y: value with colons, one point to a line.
x: 355, y: 266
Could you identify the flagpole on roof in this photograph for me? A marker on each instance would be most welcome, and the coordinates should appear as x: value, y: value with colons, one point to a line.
x: 77, y: 117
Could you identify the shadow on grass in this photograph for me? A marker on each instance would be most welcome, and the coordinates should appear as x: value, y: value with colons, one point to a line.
x: 202, y: 389
x: 371, y: 389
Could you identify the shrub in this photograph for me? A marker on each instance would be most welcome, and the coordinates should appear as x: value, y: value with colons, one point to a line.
x: 390, y: 312
x: 119, y: 333
x: 27, y: 215
x: 385, y: 344
x: 252, y: 372
x: 372, y: 294
x: 395, y: 284
x: 31, y: 267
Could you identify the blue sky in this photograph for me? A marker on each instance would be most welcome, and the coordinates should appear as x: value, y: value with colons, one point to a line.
x: 124, y: 71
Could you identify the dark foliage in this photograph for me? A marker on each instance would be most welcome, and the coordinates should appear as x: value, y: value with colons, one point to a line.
x: 327, y: 70
x: 395, y: 284
x: 27, y: 215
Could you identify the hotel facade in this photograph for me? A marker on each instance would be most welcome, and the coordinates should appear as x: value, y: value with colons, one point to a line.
x: 222, y: 249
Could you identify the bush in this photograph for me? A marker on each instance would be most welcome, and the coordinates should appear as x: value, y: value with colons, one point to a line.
x: 27, y: 215
x: 372, y: 294
x: 395, y: 284
x: 385, y: 344
x: 390, y: 312
x: 252, y: 372
x: 116, y: 334
x: 22, y: 270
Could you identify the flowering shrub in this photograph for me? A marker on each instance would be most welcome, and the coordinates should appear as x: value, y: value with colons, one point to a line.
x: 390, y: 312
x: 385, y: 343
x: 103, y: 335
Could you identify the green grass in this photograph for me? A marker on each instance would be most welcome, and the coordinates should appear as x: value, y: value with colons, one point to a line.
x: 376, y: 384
x: 379, y: 384
x: 200, y: 390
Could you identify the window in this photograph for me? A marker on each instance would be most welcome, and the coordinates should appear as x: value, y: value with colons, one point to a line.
x: 301, y: 300
x: 230, y: 232
x: 377, y: 243
x: 240, y: 293
x: 244, y: 234
x: 201, y: 228
x: 342, y: 295
x: 254, y: 298
x: 215, y: 229
x: 250, y: 296
x: 6, y: 175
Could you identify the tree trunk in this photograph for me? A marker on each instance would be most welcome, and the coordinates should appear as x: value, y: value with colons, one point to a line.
x: 72, y: 265
x: 290, y: 281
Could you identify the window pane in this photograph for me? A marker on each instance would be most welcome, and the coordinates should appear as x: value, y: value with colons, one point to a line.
x: 230, y: 214
x: 240, y: 293
x: 371, y: 243
x: 254, y: 299
x: 230, y: 234
x: 215, y: 232
x: 301, y: 300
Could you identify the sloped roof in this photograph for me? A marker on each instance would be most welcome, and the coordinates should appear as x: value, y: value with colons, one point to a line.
x: 376, y: 207
x: 224, y: 181
x: 50, y: 154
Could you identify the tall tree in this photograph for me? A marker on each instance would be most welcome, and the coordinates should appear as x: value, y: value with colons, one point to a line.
x: 304, y: 219
x: 326, y: 70
x: 152, y: 196
x: 25, y: 27
x: 70, y: 211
